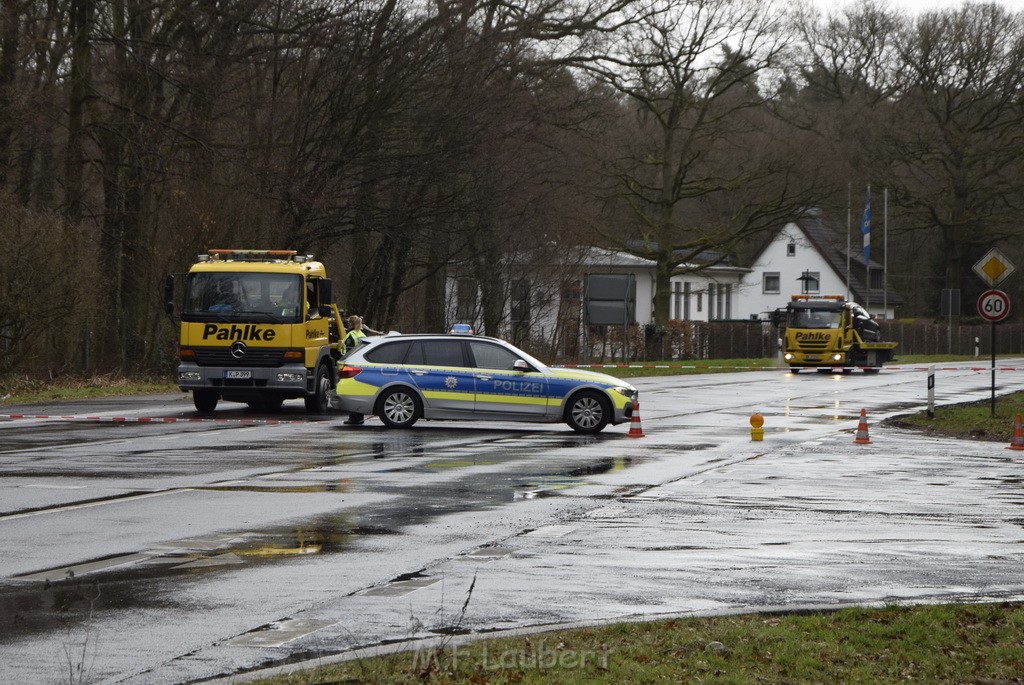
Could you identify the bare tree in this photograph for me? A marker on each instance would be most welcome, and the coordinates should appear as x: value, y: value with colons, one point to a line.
x: 694, y: 162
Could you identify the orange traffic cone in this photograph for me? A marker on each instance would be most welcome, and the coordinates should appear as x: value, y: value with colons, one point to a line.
x: 635, y: 431
x: 862, y: 429
x: 1017, y: 443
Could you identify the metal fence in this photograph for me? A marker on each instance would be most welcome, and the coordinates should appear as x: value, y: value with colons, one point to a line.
x: 701, y: 340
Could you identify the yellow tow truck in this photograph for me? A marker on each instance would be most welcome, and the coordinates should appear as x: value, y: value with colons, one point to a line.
x: 259, y: 327
x: 825, y: 332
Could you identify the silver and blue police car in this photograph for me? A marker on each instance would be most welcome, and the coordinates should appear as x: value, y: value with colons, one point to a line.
x: 404, y: 378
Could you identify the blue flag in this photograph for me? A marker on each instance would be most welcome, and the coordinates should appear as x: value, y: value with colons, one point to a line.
x: 865, y: 228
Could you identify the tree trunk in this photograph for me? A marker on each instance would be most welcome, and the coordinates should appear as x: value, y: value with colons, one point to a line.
x: 81, y: 75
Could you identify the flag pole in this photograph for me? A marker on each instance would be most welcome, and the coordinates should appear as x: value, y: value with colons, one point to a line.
x: 865, y: 229
x: 885, y: 256
x: 849, y: 227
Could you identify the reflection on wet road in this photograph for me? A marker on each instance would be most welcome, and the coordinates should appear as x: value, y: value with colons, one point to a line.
x: 226, y: 546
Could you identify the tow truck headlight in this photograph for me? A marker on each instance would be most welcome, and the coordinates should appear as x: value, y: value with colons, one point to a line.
x: 190, y: 376
x: 291, y: 378
x: 837, y: 357
x: 788, y: 356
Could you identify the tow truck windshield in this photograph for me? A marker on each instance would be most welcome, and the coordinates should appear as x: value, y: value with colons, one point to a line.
x: 257, y: 297
x: 814, y: 318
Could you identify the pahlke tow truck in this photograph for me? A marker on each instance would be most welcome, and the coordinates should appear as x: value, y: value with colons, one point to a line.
x: 824, y: 332
x: 259, y: 327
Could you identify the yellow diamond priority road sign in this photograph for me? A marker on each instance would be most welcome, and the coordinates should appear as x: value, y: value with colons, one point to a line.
x: 994, y: 267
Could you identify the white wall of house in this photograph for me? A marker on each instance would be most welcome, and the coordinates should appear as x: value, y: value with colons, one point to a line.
x: 776, y: 275
x: 707, y: 295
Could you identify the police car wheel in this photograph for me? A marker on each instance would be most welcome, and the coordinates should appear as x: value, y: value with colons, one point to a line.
x: 399, y: 408
x: 319, y: 401
x: 205, y: 400
x: 588, y: 412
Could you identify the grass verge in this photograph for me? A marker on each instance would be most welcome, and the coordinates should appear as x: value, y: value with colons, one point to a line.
x: 971, y: 420
x: 966, y: 643
x: 25, y: 390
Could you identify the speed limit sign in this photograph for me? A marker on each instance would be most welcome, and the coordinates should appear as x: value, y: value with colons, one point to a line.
x: 994, y: 305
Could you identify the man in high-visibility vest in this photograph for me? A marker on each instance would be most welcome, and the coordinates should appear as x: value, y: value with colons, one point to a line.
x: 356, y: 332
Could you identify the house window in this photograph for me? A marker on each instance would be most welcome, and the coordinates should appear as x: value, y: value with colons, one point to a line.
x: 677, y: 300
x: 686, y: 300
x: 770, y: 282
x: 726, y: 308
x: 711, y: 302
x: 700, y: 301
x: 791, y: 250
x: 465, y: 300
x: 810, y: 281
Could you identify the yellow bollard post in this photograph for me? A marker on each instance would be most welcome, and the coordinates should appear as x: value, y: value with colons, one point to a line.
x: 756, y: 432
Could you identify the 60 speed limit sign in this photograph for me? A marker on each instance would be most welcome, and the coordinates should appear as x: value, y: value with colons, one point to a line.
x: 994, y: 305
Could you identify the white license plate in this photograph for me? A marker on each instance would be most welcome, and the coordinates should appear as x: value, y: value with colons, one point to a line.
x: 238, y: 374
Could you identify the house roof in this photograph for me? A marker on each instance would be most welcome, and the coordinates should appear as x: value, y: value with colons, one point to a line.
x: 600, y: 256
x: 830, y: 239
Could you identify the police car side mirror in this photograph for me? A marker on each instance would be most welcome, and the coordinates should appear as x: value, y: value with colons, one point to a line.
x: 520, y: 365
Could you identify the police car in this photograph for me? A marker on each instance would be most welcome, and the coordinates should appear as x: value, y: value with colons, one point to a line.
x: 404, y: 378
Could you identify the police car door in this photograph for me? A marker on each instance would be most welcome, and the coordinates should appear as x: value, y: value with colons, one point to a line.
x: 440, y: 370
x: 500, y: 388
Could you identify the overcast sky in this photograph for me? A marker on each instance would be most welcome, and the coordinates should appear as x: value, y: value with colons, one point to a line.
x: 924, y: 5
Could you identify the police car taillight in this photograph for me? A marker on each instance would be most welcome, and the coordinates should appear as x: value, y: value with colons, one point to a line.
x: 347, y: 371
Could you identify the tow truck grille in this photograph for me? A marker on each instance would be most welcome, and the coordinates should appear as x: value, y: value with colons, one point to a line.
x: 256, y: 357
x: 813, y: 346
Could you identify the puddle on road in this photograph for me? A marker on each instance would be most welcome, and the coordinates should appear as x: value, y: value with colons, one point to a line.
x: 549, y: 485
x: 687, y: 447
x: 67, y: 596
x: 343, y: 485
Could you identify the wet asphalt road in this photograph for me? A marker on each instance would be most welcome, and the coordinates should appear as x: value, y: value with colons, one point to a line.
x: 138, y: 550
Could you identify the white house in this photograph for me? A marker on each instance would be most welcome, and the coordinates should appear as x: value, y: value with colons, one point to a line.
x: 809, y: 256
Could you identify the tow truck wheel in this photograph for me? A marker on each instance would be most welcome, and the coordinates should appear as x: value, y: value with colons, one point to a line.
x: 205, y: 400
x: 587, y: 412
x: 399, y: 408
x: 319, y: 401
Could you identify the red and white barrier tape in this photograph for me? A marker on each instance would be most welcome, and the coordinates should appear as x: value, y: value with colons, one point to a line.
x: 141, y: 419
x: 776, y: 368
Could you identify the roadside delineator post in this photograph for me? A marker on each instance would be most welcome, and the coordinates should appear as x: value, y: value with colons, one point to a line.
x: 862, y: 429
x: 635, y: 431
x: 1017, y: 443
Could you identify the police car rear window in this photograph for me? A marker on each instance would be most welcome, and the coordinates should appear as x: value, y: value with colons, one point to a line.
x: 436, y: 353
x: 388, y: 353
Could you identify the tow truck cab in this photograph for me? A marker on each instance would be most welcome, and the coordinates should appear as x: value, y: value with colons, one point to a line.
x: 259, y: 327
